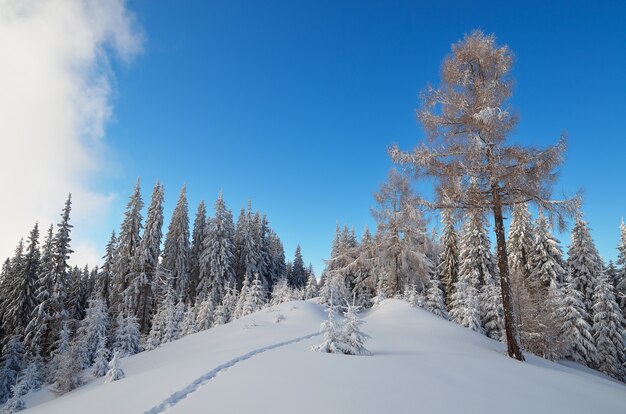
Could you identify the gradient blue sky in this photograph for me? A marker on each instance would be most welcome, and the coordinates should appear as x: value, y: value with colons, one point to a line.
x: 292, y: 104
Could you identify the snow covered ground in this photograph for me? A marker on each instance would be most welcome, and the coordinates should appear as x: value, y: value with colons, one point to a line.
x: 420, y: 363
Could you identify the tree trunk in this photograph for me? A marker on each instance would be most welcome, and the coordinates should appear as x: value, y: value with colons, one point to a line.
x: 397, y: 290
x: 512, y: 337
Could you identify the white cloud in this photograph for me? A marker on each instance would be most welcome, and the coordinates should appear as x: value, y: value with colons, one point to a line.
x: 55, y: 100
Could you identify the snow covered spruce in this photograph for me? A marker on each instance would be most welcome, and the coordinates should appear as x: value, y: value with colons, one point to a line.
x: 343, y: 337
x: 62, y: 324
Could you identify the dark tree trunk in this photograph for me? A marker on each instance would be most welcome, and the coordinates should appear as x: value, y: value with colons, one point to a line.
x: 512, y: 337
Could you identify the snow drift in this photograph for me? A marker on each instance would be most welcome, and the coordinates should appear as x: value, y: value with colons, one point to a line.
x: 262, y: 363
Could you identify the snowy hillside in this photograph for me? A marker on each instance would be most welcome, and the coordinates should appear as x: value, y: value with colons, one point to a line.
x: 262, y: 363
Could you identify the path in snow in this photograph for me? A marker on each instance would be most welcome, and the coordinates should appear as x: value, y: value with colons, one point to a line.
x: 179, y: 395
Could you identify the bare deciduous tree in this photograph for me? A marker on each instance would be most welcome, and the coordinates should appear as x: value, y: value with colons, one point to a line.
x: 467, y: 122
x: 401, y: 236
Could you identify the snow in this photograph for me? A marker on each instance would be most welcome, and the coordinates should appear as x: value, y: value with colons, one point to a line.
x: 419, y: 363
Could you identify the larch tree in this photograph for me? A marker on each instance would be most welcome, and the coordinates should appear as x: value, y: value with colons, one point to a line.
x: 467, y: 121
x: 401, y: 235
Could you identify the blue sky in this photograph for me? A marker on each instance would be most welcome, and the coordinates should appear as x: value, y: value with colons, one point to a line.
x: 293, y: 104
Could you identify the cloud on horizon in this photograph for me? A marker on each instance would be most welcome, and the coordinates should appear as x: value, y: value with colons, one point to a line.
x: 56, y: 86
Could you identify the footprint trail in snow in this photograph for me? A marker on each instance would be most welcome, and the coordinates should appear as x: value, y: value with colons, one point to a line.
x: 183, y: 393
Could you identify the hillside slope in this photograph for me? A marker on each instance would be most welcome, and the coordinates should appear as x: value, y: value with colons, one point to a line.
x: 419, y: 363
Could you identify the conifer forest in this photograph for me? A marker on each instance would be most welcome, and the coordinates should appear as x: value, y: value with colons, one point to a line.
x: 471, y: 241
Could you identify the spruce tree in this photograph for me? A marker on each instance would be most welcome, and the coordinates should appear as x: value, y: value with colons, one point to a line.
x: 519, y: 248
x: 205, y: 315
x: 311, y: 289
x: 127, y: 245
x: 245, y: 247
x: 242, y: 299
x: 298, y: 273
x: 575, y: 328
x: 465, y: 305
x: 197, y: 248
x: 277, y: 252
x: 449, y: 257
x: 220, y: 317
x: 256, y: 297
x: 66, y: 375
x: 333, y: 339
x: 584, y: 262
x: 411, y: 296
x: 16, y: 403
x: 334, y: 290
x: 281, y: 293
x: 189, y: 325
x: 12, y: 365
x: 217, y: 264
x: 101, y: 358
x: 140, y: 293
x: 364, y: 270
x: 127, y: 337
x: 114, y: 373
x: 175, y: 260
x: 33, y: 374
x: 435, y: 298
x: 476, y: 262
x: 173, y: 314
x: 476, y: 270
x: 60, y: 268
x: 621, y: 268
x: 21, y: 291
x: 492, y: 311
x: 53, y: 285
x: 264, y: 262
x: 608, y: 330
x: 229, y: 302
x: 92, y: 327
x: 351, y: 333
x: 540, y: 323
x: 611, y: 272
x: 105, y: 276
